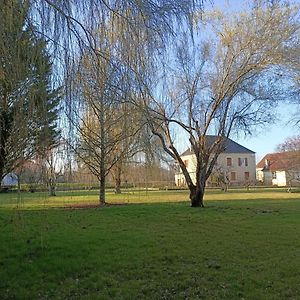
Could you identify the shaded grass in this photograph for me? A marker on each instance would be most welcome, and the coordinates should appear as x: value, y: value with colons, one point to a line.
x: 229, y: 250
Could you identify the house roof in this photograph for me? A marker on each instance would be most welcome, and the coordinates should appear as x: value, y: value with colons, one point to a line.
x: 280, y: 161
x: 230, y: 146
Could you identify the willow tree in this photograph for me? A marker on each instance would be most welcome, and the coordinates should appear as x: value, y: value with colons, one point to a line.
x: 143, y: 29
x: 69, y: 27
x: 27, y: 100
x: 227, y: 83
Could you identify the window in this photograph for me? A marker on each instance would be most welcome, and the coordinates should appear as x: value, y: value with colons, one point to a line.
x: 229, y: 162
x: 247, y: 176
x: 240, y: 162
x: 186, y: 163
x: 232, y: 176
x: 274, y: 175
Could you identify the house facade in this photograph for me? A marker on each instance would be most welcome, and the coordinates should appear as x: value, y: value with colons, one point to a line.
x: 236, y: 165
x: 279, y: 169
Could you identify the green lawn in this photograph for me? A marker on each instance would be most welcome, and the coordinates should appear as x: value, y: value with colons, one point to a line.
x: 232, y: 249
x: 36, y: 200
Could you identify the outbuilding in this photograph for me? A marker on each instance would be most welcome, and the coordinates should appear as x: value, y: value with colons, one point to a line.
x: 279, y: 169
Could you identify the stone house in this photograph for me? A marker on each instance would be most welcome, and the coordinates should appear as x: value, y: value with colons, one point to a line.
x: 236, y: 164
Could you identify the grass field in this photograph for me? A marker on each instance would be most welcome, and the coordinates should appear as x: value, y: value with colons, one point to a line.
x: 36, y: 200
x: 243, y: 245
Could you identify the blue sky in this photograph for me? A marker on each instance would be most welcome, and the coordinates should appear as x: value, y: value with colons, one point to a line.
x: 265, y: 140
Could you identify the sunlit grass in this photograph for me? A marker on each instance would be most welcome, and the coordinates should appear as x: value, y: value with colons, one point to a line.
x: 36, y: 200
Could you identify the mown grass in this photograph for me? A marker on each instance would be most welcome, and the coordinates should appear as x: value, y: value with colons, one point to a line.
x: 231, y: 249
x: 26, y: 200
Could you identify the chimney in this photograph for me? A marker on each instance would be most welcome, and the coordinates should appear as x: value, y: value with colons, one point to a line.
x: 267, y: 163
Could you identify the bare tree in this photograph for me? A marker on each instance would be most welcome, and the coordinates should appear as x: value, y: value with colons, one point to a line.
x: 129, y: 144
x: 52, y: 162
x: 290, y: 144
x: 223, y: 86
x: 105, y: 121
x: 292, y: 72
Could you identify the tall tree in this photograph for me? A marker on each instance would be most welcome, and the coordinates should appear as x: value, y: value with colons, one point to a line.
x: 104, y: 119
x: 27, y: 101
x: 223, y: 86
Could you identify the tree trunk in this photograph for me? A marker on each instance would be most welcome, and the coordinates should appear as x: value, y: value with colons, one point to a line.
x: 1, y: 175
x: 118, y: 180
x: 102, y: 190
x: 19, y: 184
x: 196, y: 196
x: 2, y: 155
x: 2, y: 165
x: 5, y: 126
x: 103, y: 138
x: 52, y: 191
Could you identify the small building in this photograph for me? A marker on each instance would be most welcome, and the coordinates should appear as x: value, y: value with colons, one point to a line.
x: 279, y: 169
x: 236, y: 164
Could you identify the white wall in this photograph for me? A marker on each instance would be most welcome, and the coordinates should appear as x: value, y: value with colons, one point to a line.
x: 179, y: 178
x: 222, y: 164
x: 239, y: 170
x: 280, y: 179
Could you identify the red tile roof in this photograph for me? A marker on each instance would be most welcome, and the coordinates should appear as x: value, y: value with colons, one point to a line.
x: 280, y: 161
